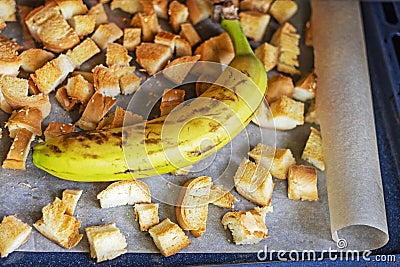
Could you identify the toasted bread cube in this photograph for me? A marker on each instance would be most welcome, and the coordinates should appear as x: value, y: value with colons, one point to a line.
x: 302, y: 183
x: 9, y: 61
x: 33, y: 59
x: 130, y: 7
x: 4, y: 106
x: 119, y: 118
x: 166, y: 38
x: 95, y: 110
x: 70, y: 199
x: 311, y: 115
x: 64, y: 100
x: 278, y: 86
x: 147, y: 21
x: 198, y: 10
x: 178, y: 14
x: 313, y: 152
x: 105, y: 81
x: 79, y: 88
x: 53, y: 73
x: 83, y: 24
x: 189, y: 33
x: 168, y: 237
x: 247, y: 226
x: 305, y: 88
x: 177, y: 70
x: 106, y: 33
x: 171, y: 98
x: 153, y: 57
x: 255, y: 5
x: 70, y: 8
x: 283, y: 10
x: 106, y: 242
x: 221, y: 197
x: 132, y: 38
x: 19, y: 150
x: 85, y: 74
x: 129, y: 83
x: 161, y: 8
x: 286, y: 114
x: 117, y: 55
x: 13, y: 234
x: 8, y: 10
x: 217, y: 49
x: 28, y: 118
x: 268, y: 54
x: 182, y: 48
x: 56, y: 129
x: 59, y: 227
x: 254, y: 182
x: 277, y: 161
x: 99, y: 13
x: 83, y: 52
x: 254, y: 24
x: 147, y: 215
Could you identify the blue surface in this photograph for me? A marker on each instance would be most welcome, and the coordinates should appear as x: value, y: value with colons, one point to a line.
x: 385, y: 81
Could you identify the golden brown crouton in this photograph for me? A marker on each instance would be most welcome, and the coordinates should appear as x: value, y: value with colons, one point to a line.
x: 268, y: 54
x: 83, y: 52
x: 221, y: 197
x: 130, y: 7
x: 278, y: 86
x: 302, y: 183
x: 254, y: 24
x: 147, y: 215
x: 153, y: 57
x: 117, y: 55
x: 171, y: 98
x: 56, y: 129
x: 83, y: 24
x: 64, y: 100
x: 166, y: 38
x: 217, y: 49
x: 306, y: 87
x: 199, y: 10
x: 161, y: 8
x: 178, y: 14
x: 70, y: 8
x: 19, y: 150
x: 189, y: 33
x: 106, y: 33
x: 99, y: 13
x: 255, y: 5
x: 13, y: 234
x: 35, y: 58
x: 313, y: 152
x: 79, y: 88
x: 177, y: 69
x: 283, y: 10
x: 26, y: 118
x: 182, y: 48
x: 132, y: 38
x: 8, y: 10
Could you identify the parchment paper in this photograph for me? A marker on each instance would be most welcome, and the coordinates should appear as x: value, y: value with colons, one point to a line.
x: 294, y: 225
x: 355, y: 193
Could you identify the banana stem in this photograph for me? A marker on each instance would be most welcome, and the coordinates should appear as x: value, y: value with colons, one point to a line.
x: 239, y: 39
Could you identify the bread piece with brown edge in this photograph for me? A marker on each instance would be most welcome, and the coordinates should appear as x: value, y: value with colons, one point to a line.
x: 95, y: 110
x: 254, y: 24
x: 15, y: 93
x: 124, y: 193
x: 278, y: 86
x: 132, y: 38
x: 83, y: 52
x: 255, y: 5
x: 192, y: 207
x: 13, y: 234
x: 199, y: 10
x: 130, y: 7
x: 168, y: 237
x: 216, y: 49
x: 10, y: 62
x: 177, y: 70
x: 70, y: 8
x: 161, y: 8
x: 70, y: 199
x: 117, y: 55
x: 221, y: 197
x: 166, y: 38
x: 26, y: 118
x: 61, y: 228
x: 171, y: 99
x: 106, y: 242
x: 178, y: 14
x: 105, y: 81
x: 153, y: 57
x: 99, y: 13
x: 189, y: 33
x: 64, y: 100
x: 182, y: 48
x: 106, y: 33
x: 283, y: 10
x: 83, y: 25
x: 302, y: 183
x: 147, y: 215
x: 247, y: 226
x: 276, y: 160
x: 39, y: 15
x: 313, y: 152
x: 268, y: 54
x: 306, y: 87
x: 35, y: 58
x: 53, y: 73
x: 4, y: 106
x: 129, y: 82
x: 79, y: 88
x: 254, y: 183
x: 119, y: 118
x: 88, y: 75
x: 8, y: 10
x: 19, y: 150
x: 147, y: 21
x: 57, y: 128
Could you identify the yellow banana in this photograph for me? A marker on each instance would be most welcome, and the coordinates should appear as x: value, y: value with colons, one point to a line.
x: 189, y: 134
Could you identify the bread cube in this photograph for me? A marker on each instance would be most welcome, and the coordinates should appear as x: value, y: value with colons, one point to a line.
x: 161, y: 8
x: 99, y: 13
x: 313, y: 152
x: 8, y: 10
x: 35, y: 58
x: 254, y: 183
x: 16, y: 156
x: 132, y: 38
x: 302, y: 183
x: 70, y: 199
x: 217, y: 49
x: 306, y: 87
x: 166, y: 38
x: 79, y: 88
x: 147, y: 215
x: 168, y: 237
x: 13, y: 234
x: 130, y: 7
x: 279, y: 85
x: 10, y: 62
x: 286, y: 114
x: 171, y: 99
x: 105, y: 81
x: 178, y: 14
x: 189, y: 33
x: 70, y: 8
x: 221, y: 197
x: 276, y: 160
x: 283, y: 10
x: 106, y: 242
x: 199, y: 10
x: 177, y: 70
x: 247, y: 226
x: 83, y: 52
x: 64, y: 100
x: 117, y: 55
x: 83, y: 24
x: 255, y: 5
x: 106, y: 33
x: 147, y: 21
x: 182, y: 48
x: 254, y: 24
x: 153, y: 57
x: 268, y: 54
x: 57, y: 128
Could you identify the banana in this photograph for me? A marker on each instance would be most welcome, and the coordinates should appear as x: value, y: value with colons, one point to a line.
x: 190, y: 133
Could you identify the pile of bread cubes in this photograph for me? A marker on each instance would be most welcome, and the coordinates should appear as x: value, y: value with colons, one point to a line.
x: 60, y: 35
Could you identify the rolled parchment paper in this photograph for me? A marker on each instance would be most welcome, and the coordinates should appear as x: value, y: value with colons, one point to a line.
x: 344, y: 104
